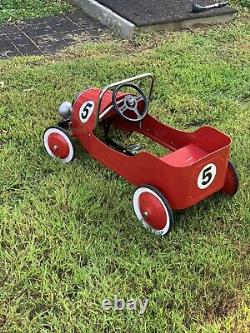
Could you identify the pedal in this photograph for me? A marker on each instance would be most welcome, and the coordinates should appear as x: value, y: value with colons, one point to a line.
x: 64, y: 124
x: 134, y: 148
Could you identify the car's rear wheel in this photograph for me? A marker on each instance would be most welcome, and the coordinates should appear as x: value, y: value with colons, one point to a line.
x: 153, y: 210
x: 231, y: 184
x: 58, y: 144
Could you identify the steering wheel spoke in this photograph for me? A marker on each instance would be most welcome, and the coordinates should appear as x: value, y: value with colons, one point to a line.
x: 123, y: 108
x: 139, y: 99
x: 135, y: 110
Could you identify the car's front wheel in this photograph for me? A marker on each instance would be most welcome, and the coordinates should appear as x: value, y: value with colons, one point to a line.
x: 58, y: 144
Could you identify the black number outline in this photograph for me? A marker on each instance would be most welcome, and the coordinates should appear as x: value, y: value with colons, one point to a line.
x: 206, y: 174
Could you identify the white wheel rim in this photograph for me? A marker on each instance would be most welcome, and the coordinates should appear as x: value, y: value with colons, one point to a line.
x: 139, y: 215
x: 50, y: 152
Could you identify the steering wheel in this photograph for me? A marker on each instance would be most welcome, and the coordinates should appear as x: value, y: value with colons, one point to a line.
x: 130, y: 103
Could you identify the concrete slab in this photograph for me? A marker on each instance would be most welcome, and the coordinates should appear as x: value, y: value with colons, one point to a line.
x: 48, y: 35
x: 130, y: 16
x: 7, y: 48
x: 151, y: 12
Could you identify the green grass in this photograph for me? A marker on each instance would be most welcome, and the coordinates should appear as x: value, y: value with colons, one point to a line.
x: 69, y: 237
x: 240, y: 3
x: 16, y: 10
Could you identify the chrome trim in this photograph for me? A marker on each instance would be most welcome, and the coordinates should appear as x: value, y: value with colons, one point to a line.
x: 108, y: 109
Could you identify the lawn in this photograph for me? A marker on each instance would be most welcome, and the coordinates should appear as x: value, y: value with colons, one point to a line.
x: 68, y: 234
x: 16, y: 10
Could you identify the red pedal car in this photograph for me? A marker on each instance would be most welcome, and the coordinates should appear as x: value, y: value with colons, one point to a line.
x: 197, y: 165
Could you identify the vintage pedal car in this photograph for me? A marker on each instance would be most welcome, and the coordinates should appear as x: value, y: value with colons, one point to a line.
x: 196, y: 166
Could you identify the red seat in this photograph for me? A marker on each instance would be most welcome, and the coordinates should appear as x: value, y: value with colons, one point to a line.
x: 184, y: 156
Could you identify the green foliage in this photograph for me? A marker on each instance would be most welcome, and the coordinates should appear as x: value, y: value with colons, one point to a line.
x: 14, y: 10
x: 68, y: 235
x: 242, y: 3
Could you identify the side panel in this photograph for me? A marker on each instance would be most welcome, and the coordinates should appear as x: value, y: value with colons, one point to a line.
x: 84, y: 115
x: 179, y: 185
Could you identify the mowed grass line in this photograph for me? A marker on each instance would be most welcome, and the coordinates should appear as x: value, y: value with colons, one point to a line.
x: 69, y: 237
x: 17, y: 10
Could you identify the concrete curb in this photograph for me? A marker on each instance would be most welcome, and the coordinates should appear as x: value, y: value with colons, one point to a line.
x: 107, y: 17
x: 188, y: 24
x: 127, y: 29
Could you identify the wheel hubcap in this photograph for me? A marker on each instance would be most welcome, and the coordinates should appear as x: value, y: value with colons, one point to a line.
x: 58, y: 145
x: 153, y: 211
